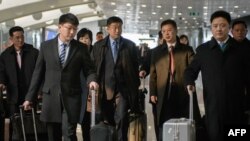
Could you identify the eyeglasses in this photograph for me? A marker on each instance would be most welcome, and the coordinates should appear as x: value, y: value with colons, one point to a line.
x: 70, y: 27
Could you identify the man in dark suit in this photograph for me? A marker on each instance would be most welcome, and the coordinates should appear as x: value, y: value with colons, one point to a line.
x: 17, y: 63
x: 117, y: 67
x: 168, y: 62
x: 225, y: 76
x: 58, y: 68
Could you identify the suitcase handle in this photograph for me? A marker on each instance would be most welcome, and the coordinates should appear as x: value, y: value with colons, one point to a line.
x: 93, y: 108
x: 21, y: 109
x: 191, y: 112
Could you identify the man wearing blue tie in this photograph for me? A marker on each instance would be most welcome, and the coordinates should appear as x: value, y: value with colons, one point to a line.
x: 225, y: 77
x: 58, y: 68
x: 117, y: 67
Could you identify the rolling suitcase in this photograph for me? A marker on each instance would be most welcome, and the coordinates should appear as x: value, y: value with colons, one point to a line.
x: 28, y: 127
x: 100, y: 131
x: 2, y: 116
x: 180, y: 129
x: 137, y: 130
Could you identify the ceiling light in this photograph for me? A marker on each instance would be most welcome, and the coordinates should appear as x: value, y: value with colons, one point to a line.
x: 236, y: 6
x: 174, y: 7
x: 190, y: 7
x: 50, y: 22
x: 204, y: 7
x: 141, y: 12
x: 158, y: 6
x: 244, y: 11
x: 161, y: 18
x: 143, y: 5
x: 221, y: 7
x: 153, y: 13
x: 204, y: 13
x: 113, y: 3
x: 238, y: 16
x: 231, y: 12
x: 128, y: 11
x: 166, y: 13
x: 179, y: 14
x: 115, y: 10
x: 128, y: 4
x: 52, y: 6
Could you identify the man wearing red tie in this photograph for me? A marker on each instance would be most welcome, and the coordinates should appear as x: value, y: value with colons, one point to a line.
x: 166, y: 77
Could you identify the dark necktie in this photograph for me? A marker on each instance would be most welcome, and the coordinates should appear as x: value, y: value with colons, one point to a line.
x: 62, y: 53
x: 114, y: 50
x: 172, y: 66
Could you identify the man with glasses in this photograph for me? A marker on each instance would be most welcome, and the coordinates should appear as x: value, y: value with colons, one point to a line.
x: 58, y: 68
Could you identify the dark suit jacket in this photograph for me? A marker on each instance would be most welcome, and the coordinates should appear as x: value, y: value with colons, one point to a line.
x: 61, y: 84
x: 159, y: 70
x: 126, y: 68
x: 224, y: 77
x: 8, y: 69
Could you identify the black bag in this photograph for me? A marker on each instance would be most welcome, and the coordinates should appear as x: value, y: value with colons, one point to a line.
x: 101, y: 131
x: 27, y: 129
x: 2, y: 116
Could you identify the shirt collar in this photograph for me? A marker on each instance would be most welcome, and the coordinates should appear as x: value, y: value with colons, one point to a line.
x: 220, y: 42
x: 171, y: 44
x: 61, y: 42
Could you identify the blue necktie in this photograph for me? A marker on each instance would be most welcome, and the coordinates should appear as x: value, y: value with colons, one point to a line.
x: 114, y: 50
x: 222, y: 46
x: 62, y: 53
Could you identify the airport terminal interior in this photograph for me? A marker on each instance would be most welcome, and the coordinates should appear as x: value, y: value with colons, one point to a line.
x: 141, y: 24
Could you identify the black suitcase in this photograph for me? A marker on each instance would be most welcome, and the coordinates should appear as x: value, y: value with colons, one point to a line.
x: 2, y: 116
x: 28, y: 127
x: 101, y: 131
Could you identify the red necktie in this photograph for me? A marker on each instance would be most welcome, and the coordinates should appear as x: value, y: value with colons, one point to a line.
x: 172, y: 67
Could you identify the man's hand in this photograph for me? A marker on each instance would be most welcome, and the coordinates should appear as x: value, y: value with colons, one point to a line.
x: 142, y: 74
x: 190, y: 89
x: 2, y: 87
x: 27, y: 105
x: 153, y: 99
x: 93, y: 85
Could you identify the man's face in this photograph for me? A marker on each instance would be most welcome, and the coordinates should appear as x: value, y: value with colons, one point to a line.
x: 99, y: 37
x: 239, y: 32
x: 169, y: 33
x: 17, y: 39
x: 220, y: 28
x: 115, y: 30
x: 67, y: 31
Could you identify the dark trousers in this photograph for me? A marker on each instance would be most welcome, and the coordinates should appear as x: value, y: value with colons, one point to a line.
x: 116, y: 113
x: 65, y: 129
x: 85, y: 125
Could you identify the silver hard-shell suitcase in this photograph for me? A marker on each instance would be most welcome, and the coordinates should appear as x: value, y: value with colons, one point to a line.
x: 181, y: 129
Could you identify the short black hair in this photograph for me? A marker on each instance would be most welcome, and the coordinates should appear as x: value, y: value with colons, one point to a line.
x: 69, y: 18
x: 183, y: 36
x: 114, y: 19
x: 83, y: 32
x: 100, y: 32
x: 15, y: 29
x: 160, y: 35
x: 169, y: 21
x: 239, y: 22
x: 222, y: 14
